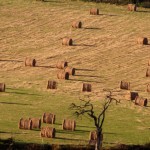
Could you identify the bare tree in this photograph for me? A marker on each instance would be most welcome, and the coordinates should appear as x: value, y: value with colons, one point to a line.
x: 87, y: 108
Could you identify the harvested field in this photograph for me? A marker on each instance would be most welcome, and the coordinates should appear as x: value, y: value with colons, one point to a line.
x: 104, y: 52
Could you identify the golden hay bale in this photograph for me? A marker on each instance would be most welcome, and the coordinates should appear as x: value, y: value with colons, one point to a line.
x: 61, y: 64
x: 132, y: 7
x: 149, y: 63
x: 70, y: 70
x: 52, y: 85
x: 67, y: 41
x: 48, y: 132
x: 63, y: 75
x: 68, y: 124
x: 48, y: 118
x: 87, y: 87
x: 2, y: 87
x: 30, y: 62
x: 148, y: 87
x: 148, y: 72
x: 142, y: 40
x: 93, y: 136
x: 125, y: 85
x: 94, y: 11
x: 25, y: 124
x: 141, y: 101
x: 77, y: 24
x: 36, y: 123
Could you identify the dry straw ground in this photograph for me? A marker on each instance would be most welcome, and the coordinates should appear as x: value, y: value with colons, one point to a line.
x: 105, y: 50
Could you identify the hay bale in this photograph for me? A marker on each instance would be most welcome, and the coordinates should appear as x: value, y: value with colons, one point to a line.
x: 148, y: 87
x: 93, y: 135
x: 2, y: 87
x: 48, y: 118
x: 142, y: 40
x: 125, y: 85
x: 30, y: 62
x: 149, y: 63
x: 148, y: 72
x: 94, y: 11
x: 141, y: 101
x: 87, y: 87
x: 61, y: 64
x: 70, y: 70
x: 67, y: 41
x: 63, y: 75
x: 132, y: 7
x: 52, y: 85
x: 48, y: 132
x: 36, y: 123
x: 77, y: 24
x: 25, y: 124
x: 68, y: 124
x: 133, y: 95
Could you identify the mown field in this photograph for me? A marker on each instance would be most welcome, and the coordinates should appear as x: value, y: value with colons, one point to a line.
x: 104, y: 53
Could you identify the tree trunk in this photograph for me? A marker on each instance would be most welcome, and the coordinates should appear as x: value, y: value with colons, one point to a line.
x: 99, y: 140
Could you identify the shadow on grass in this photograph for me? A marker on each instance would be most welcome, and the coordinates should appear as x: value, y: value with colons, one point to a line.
x: 85, y: 69
x: 92, y: 28
x: 23, y: 93
x: 12, y: 60
x: 12, y: 132
x: 88, y: 45
x: 54, y: 1
x: 13, y: 103
x: 87, y: 76
x: 45, y: 66
x: 84, y: 80
x: 144, y: 11
x: 111, y: 15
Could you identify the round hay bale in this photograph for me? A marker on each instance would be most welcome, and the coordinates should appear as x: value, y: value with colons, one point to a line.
x: 148, y: 87
x: 77, y: 24
x: 48, y: 118
x: 132, y: 7
x: 21, y: 124
x: 133, y: 95
x: 36, y: 123
x: 125, y: 85
x: 149, y: 63
x: 30, y: 62
x: 63, y: 75
x: 87, y: 87
x: 93, y: 135
x: 67, y: 41
x: 148, y: 72
x: 2, y: 87
x: 61, y: 64
x: 142, y: 40
x: 50, y: 132
x: 94, y: 11
x: 141, y: 101
x: 52, y: 85
x: 70, y: 70
x: 68, y: 124
x: 43, y: 130
x: 27, y: 124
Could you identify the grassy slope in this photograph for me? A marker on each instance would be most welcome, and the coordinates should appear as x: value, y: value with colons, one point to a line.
x: 109, y: 50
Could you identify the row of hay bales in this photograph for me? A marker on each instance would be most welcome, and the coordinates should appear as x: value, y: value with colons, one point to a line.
x: 134, y: 95
x: 50, y: 132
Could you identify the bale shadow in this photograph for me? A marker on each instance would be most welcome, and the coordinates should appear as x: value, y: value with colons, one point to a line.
x: 50, y: 1
x: 144, y: 11
x: 85, y: 126
x: 84, y: 80
x: 92, y: 28
x: 93, y: 45
x: 111, y: 15
x: 23, y: 93
x: 45, y: 66
x: 12, y: 60
x: 85, y: 69
x: 87, y: 76
x: 13, y: 103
